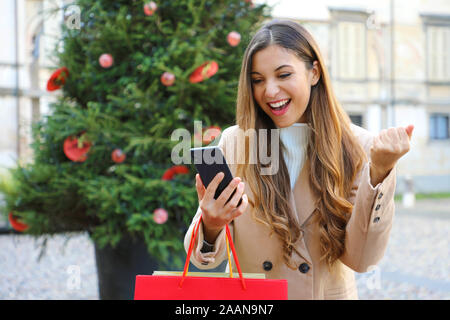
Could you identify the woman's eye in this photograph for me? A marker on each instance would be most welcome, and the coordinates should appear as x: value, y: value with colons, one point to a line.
x: 255, y: 81
x: 285, y: 75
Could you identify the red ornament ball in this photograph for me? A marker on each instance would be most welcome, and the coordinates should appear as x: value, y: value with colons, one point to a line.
x: 234, y: 38
x: 167, y: 79
x: 160, y: 216
x: 57, y: 79
x: 170, y: 173
x: 16, y: 224
x: 210, y: 134
x: 106, y: 60
x: 205, y: 71
x: 74, y: 151
x: 118, y: 156
x: 150, y: 8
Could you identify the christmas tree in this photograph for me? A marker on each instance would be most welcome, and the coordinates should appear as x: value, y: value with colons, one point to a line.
x: 132, y: 73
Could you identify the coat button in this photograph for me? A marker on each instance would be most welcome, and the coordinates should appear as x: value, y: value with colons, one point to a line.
x: 377, y: 207
x: 376, y: 219
x: 380, y: 195
x: 304, y: 268
x: 267, y: 265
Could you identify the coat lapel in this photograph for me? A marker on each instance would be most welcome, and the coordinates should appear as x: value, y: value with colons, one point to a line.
x: 303, y: 204
x: 303, y: 199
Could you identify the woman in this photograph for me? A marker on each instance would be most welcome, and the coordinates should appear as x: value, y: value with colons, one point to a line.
x: 327, y: 211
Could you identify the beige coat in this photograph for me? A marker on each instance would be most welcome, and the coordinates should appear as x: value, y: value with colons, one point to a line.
x: 367, y: 235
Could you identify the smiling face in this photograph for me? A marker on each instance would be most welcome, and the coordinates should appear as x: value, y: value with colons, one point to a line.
x: 281, y: 84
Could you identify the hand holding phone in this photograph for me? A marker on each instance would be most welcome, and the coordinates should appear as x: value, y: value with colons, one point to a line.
x: 221, y: 197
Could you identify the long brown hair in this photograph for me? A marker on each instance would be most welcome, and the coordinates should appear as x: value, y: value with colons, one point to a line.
x: 335, y: 156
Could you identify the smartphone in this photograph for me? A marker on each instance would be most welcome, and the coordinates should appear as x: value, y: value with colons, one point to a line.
x: 209, y: 161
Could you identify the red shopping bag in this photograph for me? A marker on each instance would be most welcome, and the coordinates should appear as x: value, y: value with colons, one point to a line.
x: 183, y: 287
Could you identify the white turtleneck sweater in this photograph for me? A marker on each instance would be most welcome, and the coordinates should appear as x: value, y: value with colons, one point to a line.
x: 295, y: 138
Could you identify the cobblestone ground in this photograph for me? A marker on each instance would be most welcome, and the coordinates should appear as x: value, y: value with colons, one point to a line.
x: 416, y: 264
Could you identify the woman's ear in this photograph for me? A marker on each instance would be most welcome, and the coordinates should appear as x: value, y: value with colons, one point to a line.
x: 315, y: 73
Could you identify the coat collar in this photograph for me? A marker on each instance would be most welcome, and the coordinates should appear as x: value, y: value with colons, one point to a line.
x: 303, y: 200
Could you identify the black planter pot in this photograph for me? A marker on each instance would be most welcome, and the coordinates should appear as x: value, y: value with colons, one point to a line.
x: 117, y: 268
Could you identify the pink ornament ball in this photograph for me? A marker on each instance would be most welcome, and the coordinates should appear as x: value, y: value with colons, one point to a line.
x: 234, y: 38
x: 167, y: 79
x: 251, y: 3
x: 150, y: 8
x: 106, y: 60
x: 160, y: 216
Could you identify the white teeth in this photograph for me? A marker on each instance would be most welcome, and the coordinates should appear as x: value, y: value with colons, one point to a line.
x: 278, y: 104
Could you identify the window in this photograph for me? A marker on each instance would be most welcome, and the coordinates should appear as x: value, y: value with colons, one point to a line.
x: 438, y: 53
x: 351, y: 50
x: 439, y: 129
x: 356, y: 119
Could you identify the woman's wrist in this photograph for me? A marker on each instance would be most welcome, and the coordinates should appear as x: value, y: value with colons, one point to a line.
x: 210, y: 234
x: 377, y: 174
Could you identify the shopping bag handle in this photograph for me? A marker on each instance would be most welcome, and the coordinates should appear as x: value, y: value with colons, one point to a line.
x: 191, y: 247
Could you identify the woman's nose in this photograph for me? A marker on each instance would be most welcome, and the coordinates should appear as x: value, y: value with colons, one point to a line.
x: 272, y: 90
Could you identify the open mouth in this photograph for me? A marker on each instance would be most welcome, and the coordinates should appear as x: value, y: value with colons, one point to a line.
x: 280, y: 109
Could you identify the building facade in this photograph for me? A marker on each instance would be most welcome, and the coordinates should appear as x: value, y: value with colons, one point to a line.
x: 29, y: 34
x: 389, y: 61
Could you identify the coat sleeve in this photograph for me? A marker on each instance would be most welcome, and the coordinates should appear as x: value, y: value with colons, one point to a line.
x: 212, y: 259
x: 368, y: 229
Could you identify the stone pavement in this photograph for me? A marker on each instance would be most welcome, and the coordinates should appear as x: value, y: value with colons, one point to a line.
x: 416, y: 264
